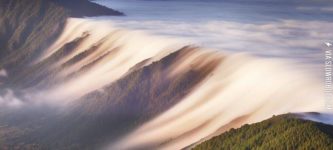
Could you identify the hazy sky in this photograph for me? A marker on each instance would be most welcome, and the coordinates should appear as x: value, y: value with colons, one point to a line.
x: 240, y: 10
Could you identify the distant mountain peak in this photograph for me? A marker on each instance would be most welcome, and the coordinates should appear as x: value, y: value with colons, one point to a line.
x: 85, y: 8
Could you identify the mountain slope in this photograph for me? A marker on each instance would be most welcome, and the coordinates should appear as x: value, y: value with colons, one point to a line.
x: 97, y: 86
x: 85, y: 8
x: 106, y: 114
x: 29, y: 27
x: 279, y: 132
x: 26, y: 28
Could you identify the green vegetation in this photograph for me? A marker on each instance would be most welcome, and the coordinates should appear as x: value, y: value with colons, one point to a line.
x: 280, y: 132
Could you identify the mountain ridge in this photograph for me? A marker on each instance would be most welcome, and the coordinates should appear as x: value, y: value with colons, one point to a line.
x: 27, y: 28
x: 88, y: 85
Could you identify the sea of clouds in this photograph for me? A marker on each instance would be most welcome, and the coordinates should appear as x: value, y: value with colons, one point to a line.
x: 296, y: 30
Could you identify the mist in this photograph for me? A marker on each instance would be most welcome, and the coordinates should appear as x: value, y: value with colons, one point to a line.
x: 262, y: 28
x: 3, y: 73
x: 173, y: 78
x: 8, y: 99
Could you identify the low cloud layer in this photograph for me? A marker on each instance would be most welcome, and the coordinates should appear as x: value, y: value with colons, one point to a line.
x: 299, y: 40
x: 326, y: 9
x: 287, y: 29
x: 323, y: 117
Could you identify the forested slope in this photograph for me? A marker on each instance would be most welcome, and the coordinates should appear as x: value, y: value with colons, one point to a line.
x: 279, y: 132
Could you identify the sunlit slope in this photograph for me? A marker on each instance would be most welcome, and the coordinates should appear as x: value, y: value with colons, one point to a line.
x: 279, y: 132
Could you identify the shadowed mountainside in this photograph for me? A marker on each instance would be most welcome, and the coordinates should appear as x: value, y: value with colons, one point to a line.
x: 85, y: 8
x: 71, y: 83
x: 108, y: 113
x: 279, y: 132
x: 29, y: 27
x: 26, y: 28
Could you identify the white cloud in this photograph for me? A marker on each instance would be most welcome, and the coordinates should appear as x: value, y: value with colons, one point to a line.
x: 323, y: 117
x: 297, y: 39
x: 326, y: 9
x: 3, y: 73
x: 10, y: 100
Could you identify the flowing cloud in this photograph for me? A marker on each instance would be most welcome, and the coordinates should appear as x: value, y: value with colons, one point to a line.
x: 287, y: 29
x: 240, y: 87
x: 299, y: 40
x: 10, y: 100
